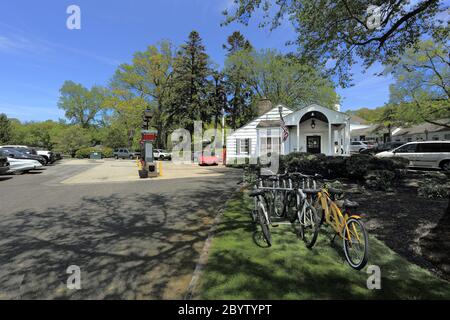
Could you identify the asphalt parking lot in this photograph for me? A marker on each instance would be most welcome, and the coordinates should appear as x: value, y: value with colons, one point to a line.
x: 131, y: 239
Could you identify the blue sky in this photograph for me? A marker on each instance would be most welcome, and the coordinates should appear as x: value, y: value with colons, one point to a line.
x: 38, y: 53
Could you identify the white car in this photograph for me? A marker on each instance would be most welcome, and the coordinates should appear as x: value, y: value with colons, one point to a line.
x: 22, y: 165
x: 358, y: 146
x: 426, y: 154
x: 160, y: 154
x: 48, y: 155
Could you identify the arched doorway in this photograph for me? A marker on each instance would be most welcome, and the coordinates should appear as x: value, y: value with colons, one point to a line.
x: 314, y: 125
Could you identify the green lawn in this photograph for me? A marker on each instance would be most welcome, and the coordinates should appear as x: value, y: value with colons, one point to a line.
x: 239, y: 269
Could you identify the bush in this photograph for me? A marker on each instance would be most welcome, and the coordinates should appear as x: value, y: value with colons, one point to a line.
x: 380, y: 179
x: 107, y: 152
x: 358, y: 165
x: 86, y: 152
x: 429, y: 190
x: 83, y: 153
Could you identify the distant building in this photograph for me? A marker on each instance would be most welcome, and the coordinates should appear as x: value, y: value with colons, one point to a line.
x: 423, y: 132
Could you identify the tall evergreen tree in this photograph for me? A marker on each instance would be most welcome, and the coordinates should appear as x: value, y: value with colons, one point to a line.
x: 237, y: 87
x: 5, y: 128
x: 237, y: 42
x: 190, y: 84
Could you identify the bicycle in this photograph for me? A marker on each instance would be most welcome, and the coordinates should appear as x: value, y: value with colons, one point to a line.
x: 261, y: 215
x: 299, y: 208
x: 347, y: 226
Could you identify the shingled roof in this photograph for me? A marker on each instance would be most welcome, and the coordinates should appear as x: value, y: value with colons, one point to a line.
x: 421, y: 128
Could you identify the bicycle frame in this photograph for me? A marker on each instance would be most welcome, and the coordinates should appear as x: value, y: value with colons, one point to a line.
x: 334, y: 216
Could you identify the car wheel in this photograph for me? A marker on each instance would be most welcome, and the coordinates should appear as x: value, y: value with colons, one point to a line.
x: 131, y: 157
x: 161, y: 158
x: 361, y: 150
x: 446, y: 166
x: 116, y: 157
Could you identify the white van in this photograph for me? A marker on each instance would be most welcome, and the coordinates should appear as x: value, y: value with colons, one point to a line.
x: 426, y: 154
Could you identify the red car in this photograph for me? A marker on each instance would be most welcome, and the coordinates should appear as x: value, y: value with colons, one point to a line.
x: 208, y: 160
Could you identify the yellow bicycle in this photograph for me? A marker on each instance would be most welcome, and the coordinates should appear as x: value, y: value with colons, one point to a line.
x: 347, y: 226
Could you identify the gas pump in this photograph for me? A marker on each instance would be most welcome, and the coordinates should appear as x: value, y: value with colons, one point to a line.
x: 147, y: 161
x: 147, y: 166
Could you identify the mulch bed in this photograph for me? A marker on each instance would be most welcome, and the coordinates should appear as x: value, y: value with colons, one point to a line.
x: 410, y: 225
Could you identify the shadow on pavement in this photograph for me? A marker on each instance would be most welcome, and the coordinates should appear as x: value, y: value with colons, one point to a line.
x: 133, y: 246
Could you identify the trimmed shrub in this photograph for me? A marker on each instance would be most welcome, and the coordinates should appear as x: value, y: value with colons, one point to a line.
x: 335, y: 167
x: 380, y: 179
x: 107, y: 152
x: 83, y: 153
x: 358, y: 165
x: 429, y: 190
x: 86, y: 152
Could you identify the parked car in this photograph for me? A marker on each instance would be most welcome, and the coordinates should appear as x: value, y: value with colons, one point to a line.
x: 388, y: 146
x: 208, y: 160
x: 160, y: 154
x: 20, y: 165
x: 359, y: 146
x: 24, y: 153
x: 4, y: 164
x: 124, y: 153
x: 47, y: 155
x: 426, y: 154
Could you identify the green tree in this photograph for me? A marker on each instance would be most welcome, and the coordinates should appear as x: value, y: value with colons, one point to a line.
x: 71, y: 139
x: 422, y: 83
x: 144, y: 84
x: 80, y: 104
x: 237, y: 42
x: 191, y: 84
x: 341, y: 31
x: 285, y: 79
x: 237, y: 87
x: 5, y: 129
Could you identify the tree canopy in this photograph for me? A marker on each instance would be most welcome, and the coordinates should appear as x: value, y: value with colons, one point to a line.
x: 342, y: 31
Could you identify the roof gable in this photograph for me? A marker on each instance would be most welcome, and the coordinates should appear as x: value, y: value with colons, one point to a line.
x: 333, y: 116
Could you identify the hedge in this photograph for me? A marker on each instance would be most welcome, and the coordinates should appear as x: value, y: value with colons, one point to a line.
x: 377, y: 173
x: 86, y: 152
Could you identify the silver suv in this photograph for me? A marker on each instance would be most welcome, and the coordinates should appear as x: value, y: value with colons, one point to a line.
x: 427, y: 154
x: 124, y: 153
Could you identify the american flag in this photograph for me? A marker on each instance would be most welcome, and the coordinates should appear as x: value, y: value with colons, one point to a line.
x: 283, y: 126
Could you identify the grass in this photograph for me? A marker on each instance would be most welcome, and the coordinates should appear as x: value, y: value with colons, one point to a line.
x: 240, y: 269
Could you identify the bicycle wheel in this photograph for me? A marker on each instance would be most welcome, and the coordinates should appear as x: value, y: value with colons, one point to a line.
x: 356, y: 244
x: 309, y: 225
x: 291, y: 207
x: 278, y: 203
x: 264, y: 224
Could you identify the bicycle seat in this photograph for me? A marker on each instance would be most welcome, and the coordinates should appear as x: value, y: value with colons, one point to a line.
x: 350, y: 204
x: 256, y: 193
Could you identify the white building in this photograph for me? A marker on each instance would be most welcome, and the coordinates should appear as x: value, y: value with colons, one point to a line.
x: 313, y: 129
x: 423, y: 132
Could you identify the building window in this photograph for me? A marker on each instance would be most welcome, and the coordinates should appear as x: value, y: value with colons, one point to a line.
x: 447, y: 136
x: 270, y: 144
x: 242, y: 146
x: 435, y: 138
